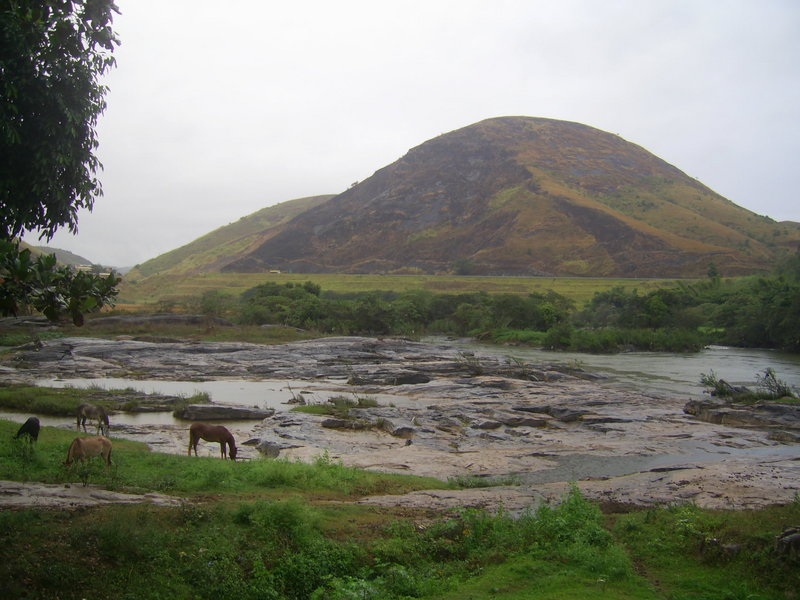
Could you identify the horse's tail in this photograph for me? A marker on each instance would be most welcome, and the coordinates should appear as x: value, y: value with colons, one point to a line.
x: 191, y: 442
x: 108, y: 456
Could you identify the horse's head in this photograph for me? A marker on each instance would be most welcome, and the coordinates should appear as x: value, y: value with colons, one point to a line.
x: 232, y: 452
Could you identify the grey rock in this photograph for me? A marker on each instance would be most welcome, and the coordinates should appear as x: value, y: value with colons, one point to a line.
x: 759, y: 415
x: 403, y: 432
x: 344, y: 424
x: 220, y: 412
x: 268, y: 448
x: 487, y: 425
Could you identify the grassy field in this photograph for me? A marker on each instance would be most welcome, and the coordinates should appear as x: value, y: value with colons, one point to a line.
x: 155, y: 289
x: 285, y: 530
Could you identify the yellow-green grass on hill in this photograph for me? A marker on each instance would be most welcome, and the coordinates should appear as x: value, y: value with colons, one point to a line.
x: 156, y: 289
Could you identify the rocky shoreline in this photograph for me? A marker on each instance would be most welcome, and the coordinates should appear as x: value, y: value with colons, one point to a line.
x: 459, y: 414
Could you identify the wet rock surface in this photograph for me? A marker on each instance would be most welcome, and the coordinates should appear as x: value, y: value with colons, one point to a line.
x: 453, y: 414
x: 218, y: 412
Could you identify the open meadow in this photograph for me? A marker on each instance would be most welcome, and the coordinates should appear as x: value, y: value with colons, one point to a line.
x: 157, y: 289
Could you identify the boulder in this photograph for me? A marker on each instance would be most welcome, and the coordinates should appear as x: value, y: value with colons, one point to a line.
x: 760, y: 415
x: 268, y: 448
x: 403, y: 432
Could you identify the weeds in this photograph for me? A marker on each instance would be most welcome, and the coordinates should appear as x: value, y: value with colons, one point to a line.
x: 768, y: 387
x: 774, y: 387
x: 475, y: 481
x: 471, y: 362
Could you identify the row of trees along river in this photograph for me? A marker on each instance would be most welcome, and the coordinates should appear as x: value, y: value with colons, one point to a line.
x: 756, y: 312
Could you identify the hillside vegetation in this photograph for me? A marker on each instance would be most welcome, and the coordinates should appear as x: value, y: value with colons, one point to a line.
x: 507, y: 196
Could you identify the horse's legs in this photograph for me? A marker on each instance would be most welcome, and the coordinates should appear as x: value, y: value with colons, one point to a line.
x: 222, y: 450
x: 192, y: 442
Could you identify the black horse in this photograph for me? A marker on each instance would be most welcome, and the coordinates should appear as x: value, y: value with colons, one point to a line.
x: 29, y: 428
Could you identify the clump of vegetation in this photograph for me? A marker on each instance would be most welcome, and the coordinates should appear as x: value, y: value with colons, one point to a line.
x: 180, y: 405
x: 767, y: 387
x: 774, y: 387
x: 475, y: 481
x: 338, y: 406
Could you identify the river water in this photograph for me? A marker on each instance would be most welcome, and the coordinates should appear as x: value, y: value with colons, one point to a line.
x: 659, y: 373
x: 664, y: 373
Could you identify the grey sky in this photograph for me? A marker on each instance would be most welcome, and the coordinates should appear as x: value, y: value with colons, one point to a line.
x: 219, y: 109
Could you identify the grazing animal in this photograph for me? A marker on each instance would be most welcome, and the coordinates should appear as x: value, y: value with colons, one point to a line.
x: 84, y: 448
x: 93, y: 413
x: 30, y: 428
x: 211, y: 433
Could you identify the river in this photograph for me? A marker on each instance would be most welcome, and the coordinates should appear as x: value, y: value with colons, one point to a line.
x: 658, y: 373
x: 665, y: 373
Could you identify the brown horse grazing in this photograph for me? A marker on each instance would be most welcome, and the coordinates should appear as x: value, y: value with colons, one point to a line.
x: 84, y: 448
x: 93, y: 413
x: 30, y: 428
x: 211, y: 433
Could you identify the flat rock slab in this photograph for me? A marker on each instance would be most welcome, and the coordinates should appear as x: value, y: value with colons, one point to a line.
x: 219, y: 412
x: 14, y: 494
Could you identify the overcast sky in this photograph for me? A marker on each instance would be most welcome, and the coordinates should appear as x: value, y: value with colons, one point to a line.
x: 217, y: 109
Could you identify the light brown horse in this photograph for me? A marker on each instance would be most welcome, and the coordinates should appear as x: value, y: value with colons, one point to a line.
x: 211, y: 433
x: 93, y: 413
x: 84, y: 448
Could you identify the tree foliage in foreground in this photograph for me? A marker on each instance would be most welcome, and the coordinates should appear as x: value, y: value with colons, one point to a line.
x: 40, y: 284
x: 52, y: 56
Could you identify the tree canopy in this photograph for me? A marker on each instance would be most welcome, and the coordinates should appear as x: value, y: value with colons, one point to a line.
x: 52, y: 56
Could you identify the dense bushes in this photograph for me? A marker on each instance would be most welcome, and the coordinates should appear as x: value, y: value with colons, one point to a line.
x: 407, y: 313
x: 752, y: 312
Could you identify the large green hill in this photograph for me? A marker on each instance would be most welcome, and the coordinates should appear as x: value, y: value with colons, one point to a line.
x: 506, y: 196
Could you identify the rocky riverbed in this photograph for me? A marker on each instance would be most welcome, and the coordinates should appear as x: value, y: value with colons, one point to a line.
x: 459, y: 414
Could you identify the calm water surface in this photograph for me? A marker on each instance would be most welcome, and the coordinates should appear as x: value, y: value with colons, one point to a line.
x: 673, y: 374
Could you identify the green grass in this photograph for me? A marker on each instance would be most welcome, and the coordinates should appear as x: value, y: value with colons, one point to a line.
x: 697, y: 553
x: 138, y: 469
x: 282, y: 530
x: 64, y: 401
x: 157, y: 289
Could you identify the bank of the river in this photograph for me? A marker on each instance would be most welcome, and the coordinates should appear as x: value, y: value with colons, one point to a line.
x: 449, y: 411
